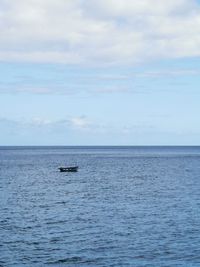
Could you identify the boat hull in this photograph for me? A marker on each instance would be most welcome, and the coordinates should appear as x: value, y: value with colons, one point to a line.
x: 69, y: 169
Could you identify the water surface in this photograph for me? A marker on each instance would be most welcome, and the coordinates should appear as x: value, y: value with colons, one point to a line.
x: 127, y: 206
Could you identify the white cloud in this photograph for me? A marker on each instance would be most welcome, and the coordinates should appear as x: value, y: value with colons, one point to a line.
x: 169, y: 73
x: 80, y: 122
x: 76, y: 122
x: 98, y: 31
x: 74, y: 131
x: 130, y: 7
x: 81, y: 125
x: 40, y: 122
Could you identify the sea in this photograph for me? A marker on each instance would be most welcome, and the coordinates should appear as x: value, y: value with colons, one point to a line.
x: 125, y: 207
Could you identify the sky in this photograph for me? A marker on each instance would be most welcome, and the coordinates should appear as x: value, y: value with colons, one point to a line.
x: 99, y: 72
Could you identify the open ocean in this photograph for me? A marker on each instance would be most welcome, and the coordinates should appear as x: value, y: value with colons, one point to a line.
x: 126, y: 206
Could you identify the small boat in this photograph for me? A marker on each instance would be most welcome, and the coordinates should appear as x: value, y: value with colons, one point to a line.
x: 69, y: 169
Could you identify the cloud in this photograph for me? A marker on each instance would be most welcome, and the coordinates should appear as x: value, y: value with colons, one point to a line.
x: 76, y: 122
x: 169, y: 73
x: 77, y: 131
x: 97, y: 32
x: 80, y: 122
x: 113, y: 90
x: 128, y: 8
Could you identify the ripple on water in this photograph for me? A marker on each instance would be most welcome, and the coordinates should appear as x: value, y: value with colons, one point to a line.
x: 125, y: 207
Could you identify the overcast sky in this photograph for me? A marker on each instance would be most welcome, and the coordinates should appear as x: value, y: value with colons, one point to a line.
x: 99, y: 72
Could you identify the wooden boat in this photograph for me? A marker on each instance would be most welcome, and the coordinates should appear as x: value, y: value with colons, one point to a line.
x: 69, y: 169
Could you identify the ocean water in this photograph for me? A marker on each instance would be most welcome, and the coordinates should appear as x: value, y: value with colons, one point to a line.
x: 126, y: 206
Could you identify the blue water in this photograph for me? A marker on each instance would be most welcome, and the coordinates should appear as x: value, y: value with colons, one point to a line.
x: 128, y: 206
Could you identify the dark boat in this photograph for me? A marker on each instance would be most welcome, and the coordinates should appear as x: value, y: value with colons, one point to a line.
x: 69, y: 169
